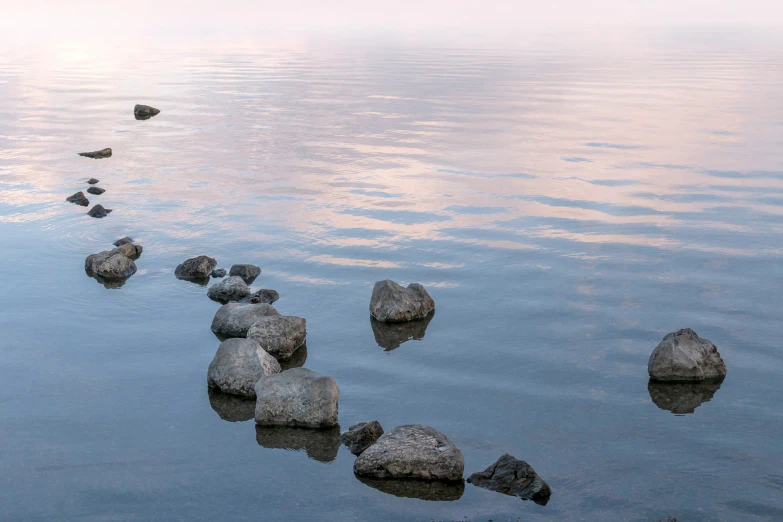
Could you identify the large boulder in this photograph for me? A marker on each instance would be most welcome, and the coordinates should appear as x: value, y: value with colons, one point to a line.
x: 361, y: 436
x: 79, y: 198
x: 412, y: 452
x: 113, y: 265
x: 391, y: 303
x: 230, y: 289
x: 247, y: 272
x: 297, y: 397
x: 144, y: 112
x: 279, y: 335
x: 321, y: 445
x: 683, y: 356
x: 98, y: 211
x: 98, y: 154
x: 235, y: 319
x: 195, y: 268
x: 237, y: 366
x: 514, y: 477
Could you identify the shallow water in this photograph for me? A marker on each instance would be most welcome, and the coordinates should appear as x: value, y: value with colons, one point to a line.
x: 565, y: 205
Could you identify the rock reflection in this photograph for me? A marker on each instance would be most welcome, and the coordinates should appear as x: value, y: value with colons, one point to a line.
x: 232, y: 408
x: 391, y: 335
x: 319, y: 444
x: 421, y: 489
x: 682, y: 397
x: 297, y: 359
x: 107, y: 283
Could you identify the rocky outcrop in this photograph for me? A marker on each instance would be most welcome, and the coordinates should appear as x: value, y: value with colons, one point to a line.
x: 261, y: 296
x: 96, y: 190
x: 218, y: 273
x: 435, y: 490
x: 683, y: 356
x: 195, y: 268
x: 321, y: 445
x: 232, y: 408
x: 297, y: 397
x: 92, y: 181
x: 237, y: 366
x: 391, y: 303
x: 682, y: 397
x: 113, y: 265
x: 514, y: 477
x: 144, y: 112
x: 98, y: 154
x: 235, y: 319
x: 361, y: 436
x: 411, y: 452
x: 231, y: 289
x: 98, y: 211
x: 390, y: 336
x: 247, y: 272
x: 123, y: 241
x: 279, y: 335
x: 79, y: 198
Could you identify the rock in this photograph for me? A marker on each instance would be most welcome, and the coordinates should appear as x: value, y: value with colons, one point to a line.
x: 297, y: 360
x: 231, y: 289
x: 297, y: 397
x: 92, y: 181
x: 96, y: 190
x: 411, y: 451
x: 391, y: 303
x: 195, y: 268
x: 237, y: 366
x: 261, y: 296
x: 279, y: 335
x: 669, y: 519
x: 219, y: 272
x: 79, y: 198
x: 361, y: 436
x: 98, y: 211
x: 247, y: 272
x: 321, y: 445
x: 390, y: 336
x: 682, y: 397
x: 684, y: 356
x: 144, y: 112
x: 124, y: 241
x: 513, y: 477
x: 235, y: 319
x: 98, y: 154
x: 233, y: 408
x: 113, y: 265
x: 421, y: 489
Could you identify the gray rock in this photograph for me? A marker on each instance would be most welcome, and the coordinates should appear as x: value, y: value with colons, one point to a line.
x: 514, y: 477
x: 113, y: 265
x: 98, y: 211
x: 247, y: 272
x: 684, y: 356
x: 390, y: 336
x: 79, y: 198
x: 96, y: 190
x: 98, y: 154
x: 391, y: 303
x: 436, y: 490
x: 682, y: 397
x: 411, y: 451
x: 297, y: 360
x: 279, y: 335
x: 219, y: 272
x: 92, y: 181
x: 297, y: 397
x: 231, y: 289
x: 261, y: 296
x: 124, y: 241
x: 321, y: 444
x: 144, y: 112
x: 235, y: 319
x: 195, y: 268
x: 361, y: 436
x: 233, y: 408
x: 237, y: 366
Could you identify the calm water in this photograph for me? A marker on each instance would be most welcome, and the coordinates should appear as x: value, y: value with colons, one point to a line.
x: 566, y: 204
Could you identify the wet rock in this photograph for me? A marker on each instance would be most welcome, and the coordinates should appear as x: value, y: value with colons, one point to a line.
x: 98, y: 154
x: 98, y: 211
x: 123, y: 241
x: 233, y: 408
x: 684, y: 356
x: 144, y: 112
x: 247, y: 272
x: 261, y: 296
x: 235, y: 319
x: 361, y: 436
x: 297, y: 397
x: 96, y: 190
x: 420, y: 489
x: 195, y: 268
x: 79, y: 198
x: 279, y: 335
x: 92, y: 181
x: 682, y: 397
x: 231, y: 289
x: 297, y: 359
x: 390, y: 336
x: 113, y: 265
x: 412, y: 452
x: 514, y: 477
x: 319, y: 444
x: 237, y: 366
x: 219, y: 272
x: 391, y: 303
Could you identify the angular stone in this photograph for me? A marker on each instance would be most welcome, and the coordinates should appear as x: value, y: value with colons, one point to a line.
x: 247, y: 272
x: 684, y: 356
x: 219, y: 272
x: 261, y: 296
x: 98, y: 211
x: 113, y: 265
x: 279, y: 335
x: 195, y: 268
x: 391, y: 303
x: 79, y: 198
x: 96, y: 190
x: 297, y: 397
x: 231, y: 289
x: 123, y: 241
x: 321, y: 445
x: 237, y: 366
x: 235, y: 319
x: 92, y: 181
x: 361, y: 436
x: 411, y: 451
x: 514, y: 477
x: 98, y: 154
x: 144, y: 112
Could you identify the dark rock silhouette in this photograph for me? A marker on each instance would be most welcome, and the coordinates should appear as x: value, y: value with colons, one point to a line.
x: 682, y: 397
x: 261, y: 296
x: 319, y: 444
x: 196, y: 269
x: 390, y: 336
x: 513, y: 477
x: 144, y: 112
x: 98, y: 211
x: 248, y: 273
x: 218, y: 273
x: 79, y: 198
x: 297, y: 359
x: 421, y: 489
x: 123, y: 241
x: 361, y: 436
x: 233, y: 408
x: 92, y: 181
x: 96, y: 190
x: 98, y: 154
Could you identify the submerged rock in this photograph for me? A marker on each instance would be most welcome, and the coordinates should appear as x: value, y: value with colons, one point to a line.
x: 231, y: 289
x: 391, y: 303
x: 297, y: 397
x: 96, y: 190
x: 390, y: 336
x: 123, y: 241
x: 413, y: 452
x: 79, y: 198
x: 235, y: 319
x: 436, y: 490
x: 233, y: 408
x: 279, y: 335
x: 113, y: 265
x: 144, y: 112
x: 195, y: 268
x: 321, y: 444
x: 361, y: 436
x: 682, y: 397
x: 237, y: 366
x: 247, y: 272
x: 98, y: 154
x: 514, y: 477
x: 218, y: 273
x: 92, y: 181
x: 297, y: 360
x: 261, y: 296
x: 98, y: 211
x: 684, y: 356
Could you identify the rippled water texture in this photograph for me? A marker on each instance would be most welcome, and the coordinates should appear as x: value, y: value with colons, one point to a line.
x: 565, y: 205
